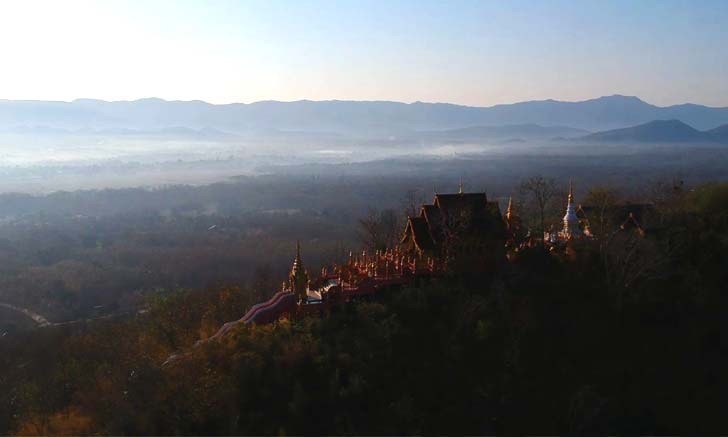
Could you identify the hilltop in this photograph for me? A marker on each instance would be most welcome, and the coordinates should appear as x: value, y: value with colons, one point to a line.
x: 664, y: 131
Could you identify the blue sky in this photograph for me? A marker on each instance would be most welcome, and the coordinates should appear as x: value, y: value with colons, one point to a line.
x: 469, y: 52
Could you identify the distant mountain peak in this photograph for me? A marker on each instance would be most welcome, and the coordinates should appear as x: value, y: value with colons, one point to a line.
x: 621, y: 99
x: 664, y: 131
x: 673, y: 122
x: 150, y: 100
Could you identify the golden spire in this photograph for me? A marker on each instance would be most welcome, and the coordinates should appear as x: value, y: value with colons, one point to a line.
x: 460, y: 189
x: 571, y: 192
x: 299, y: 277
x: 297, y: 263
x: 509, y: 211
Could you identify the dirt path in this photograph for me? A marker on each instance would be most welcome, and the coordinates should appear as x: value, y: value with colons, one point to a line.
x: 37, y: 318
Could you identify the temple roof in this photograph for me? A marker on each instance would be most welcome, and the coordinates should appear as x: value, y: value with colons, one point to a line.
x: 430, y: 213
x: 448, y: 202
x: 420, y: 232
x: 581, y: 212
x: 630, y: 223
x: 428, y: 229
x: 433, y: 217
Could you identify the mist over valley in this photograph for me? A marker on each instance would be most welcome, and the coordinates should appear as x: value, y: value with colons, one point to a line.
x: 47, y: 146
x: 338, y: 217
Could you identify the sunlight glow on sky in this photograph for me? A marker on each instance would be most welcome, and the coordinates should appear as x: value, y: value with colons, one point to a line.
x: 468, y: 52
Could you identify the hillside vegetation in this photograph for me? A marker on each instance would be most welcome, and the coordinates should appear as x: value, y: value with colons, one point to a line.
x: 547, y: 345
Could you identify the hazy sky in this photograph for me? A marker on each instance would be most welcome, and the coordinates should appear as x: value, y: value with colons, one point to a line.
x: 469, y: 52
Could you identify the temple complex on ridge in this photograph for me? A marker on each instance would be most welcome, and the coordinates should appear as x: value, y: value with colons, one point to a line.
x: 459, y: 233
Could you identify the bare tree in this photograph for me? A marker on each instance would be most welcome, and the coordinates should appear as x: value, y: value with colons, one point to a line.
x: 379, y: 229
x: 263, y: 282
x: 411, y: 202
x: 630, y: 258
x: 604, y: 200
x: 667, y: 196
x: 539, y: 191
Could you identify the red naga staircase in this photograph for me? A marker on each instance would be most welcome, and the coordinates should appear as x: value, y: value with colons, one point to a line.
x: 282, y: 303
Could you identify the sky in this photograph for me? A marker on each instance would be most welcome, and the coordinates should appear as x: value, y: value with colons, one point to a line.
x: 476, y: 53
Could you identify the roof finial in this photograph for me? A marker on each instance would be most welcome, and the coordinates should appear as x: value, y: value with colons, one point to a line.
x: 460, y: 188
x: 571, y: 191
x: 297, y: 263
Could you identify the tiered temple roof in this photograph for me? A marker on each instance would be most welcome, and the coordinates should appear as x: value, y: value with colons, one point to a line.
x: 427, y: 231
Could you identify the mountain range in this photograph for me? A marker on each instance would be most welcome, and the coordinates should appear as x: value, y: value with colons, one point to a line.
x: 661, y: 131
x: 362, y: 118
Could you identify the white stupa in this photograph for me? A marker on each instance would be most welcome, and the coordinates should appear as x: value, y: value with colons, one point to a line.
x: 571, y: 221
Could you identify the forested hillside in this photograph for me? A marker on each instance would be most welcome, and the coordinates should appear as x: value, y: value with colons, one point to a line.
x: 548, y: 344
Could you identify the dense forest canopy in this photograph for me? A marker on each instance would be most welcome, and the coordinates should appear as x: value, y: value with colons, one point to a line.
x: 81, y: 254
x: 547, y: 344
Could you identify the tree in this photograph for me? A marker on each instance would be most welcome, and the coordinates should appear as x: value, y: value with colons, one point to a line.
x: 539, y: 191
x: 604, y: 200
x: 263, y: 282
x: 379, y: 229
x: 667, y: 197
x: 412, y: 201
